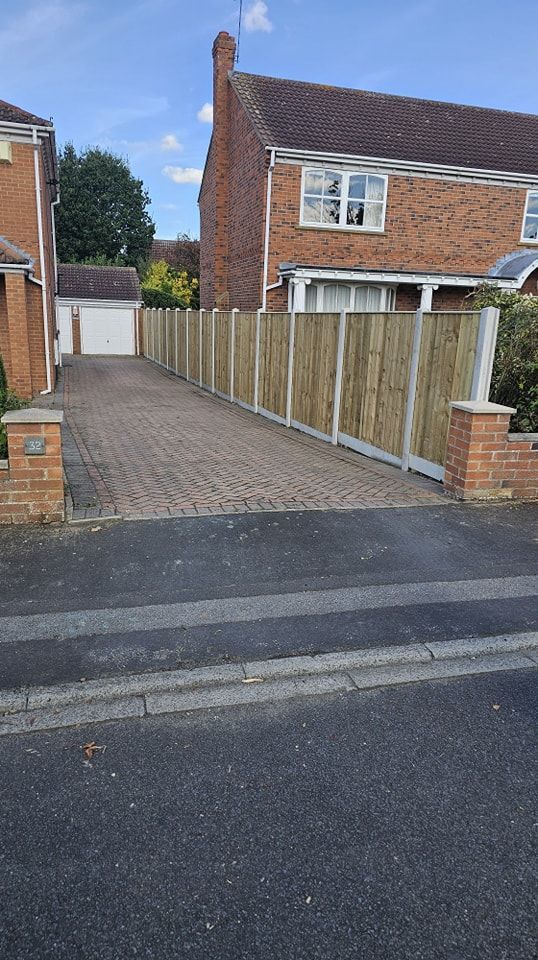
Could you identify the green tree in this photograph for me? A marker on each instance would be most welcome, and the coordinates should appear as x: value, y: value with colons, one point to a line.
x: 102, y: 216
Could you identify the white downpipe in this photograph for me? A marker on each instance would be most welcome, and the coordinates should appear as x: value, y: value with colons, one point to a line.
x: 42, y: 260
x: 267, y: 228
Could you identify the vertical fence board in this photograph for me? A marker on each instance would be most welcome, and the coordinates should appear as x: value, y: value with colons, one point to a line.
x: 273, y: 377
x: 223, y: 327
x: 245, y: 357
x: 444, y: 373
x: 206, y: 348
x: 194, y: 345
x: 314, y: 369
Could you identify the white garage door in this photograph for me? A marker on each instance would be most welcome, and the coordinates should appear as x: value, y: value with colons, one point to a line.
x: 107, y: 330
x: 66, y: 334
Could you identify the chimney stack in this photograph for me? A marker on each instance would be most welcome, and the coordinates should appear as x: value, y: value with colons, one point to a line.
x: 223, y: 63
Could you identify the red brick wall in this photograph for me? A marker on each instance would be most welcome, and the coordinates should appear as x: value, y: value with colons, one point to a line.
x: 31, y: 490
x: 531, y: 283
x: 232, y: 198
x: 484, y: 460
x: 18, y: 223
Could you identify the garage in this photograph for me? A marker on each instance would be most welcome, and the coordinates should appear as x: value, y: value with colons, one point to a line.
x: 97, y: 309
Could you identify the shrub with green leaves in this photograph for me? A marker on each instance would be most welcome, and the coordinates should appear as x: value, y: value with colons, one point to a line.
x: 161, y: 298
x: 8, y: 401
x: 515, y: 368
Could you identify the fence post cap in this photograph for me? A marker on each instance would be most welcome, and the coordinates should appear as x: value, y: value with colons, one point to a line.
x: 480, y: 406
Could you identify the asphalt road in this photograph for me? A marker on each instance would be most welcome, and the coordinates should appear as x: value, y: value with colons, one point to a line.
x: 396, y: 824
x: 122, y: 567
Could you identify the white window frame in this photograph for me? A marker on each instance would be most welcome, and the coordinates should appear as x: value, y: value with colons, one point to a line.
x: 527, y: 214
x: 344, y: 196
x: 388, y: 294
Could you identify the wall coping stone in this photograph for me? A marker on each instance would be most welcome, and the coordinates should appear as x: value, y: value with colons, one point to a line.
x: 480, y: 406
x: 520, y: 437
x: 33, y: 415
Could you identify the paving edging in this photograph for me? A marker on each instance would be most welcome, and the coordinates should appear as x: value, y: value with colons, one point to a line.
x: 260, y: 681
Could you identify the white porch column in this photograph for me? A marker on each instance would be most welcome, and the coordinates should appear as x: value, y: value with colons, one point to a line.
x: 426, y: 297
x: 299, y: 295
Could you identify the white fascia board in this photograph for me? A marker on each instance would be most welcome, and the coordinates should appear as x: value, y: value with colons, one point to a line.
x: 79, y: 302
x: 386, y: 165
x: 391, y: 277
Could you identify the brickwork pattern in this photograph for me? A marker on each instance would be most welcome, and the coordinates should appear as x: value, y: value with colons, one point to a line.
x: 485, y: 461
x: 32, y: 489
x: 154, y: 445
x: 18, y: 222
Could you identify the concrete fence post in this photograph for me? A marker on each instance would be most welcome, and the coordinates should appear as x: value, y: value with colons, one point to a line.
x: 485, y: 353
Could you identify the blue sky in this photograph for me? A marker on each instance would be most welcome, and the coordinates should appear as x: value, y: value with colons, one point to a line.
x: 134, y: 75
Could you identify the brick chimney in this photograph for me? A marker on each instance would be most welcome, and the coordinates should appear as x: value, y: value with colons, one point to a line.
x: 223, y: 62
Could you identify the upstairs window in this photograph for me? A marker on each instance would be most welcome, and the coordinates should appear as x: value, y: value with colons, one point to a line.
x: 343, y: 198
x: 530, y: 221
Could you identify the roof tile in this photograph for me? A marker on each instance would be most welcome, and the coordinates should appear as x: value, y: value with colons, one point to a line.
x: 83, y: 282
x: 294, y: 115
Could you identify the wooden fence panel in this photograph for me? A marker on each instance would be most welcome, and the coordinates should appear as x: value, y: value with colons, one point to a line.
x: 162, y: 336
x: 170, y: 338
x: 445, y: 373
x: 273, y: 374
x: 244, y: 357
x: 194, y: 345
x: 223, y: 328
x: 206, y: 349
x: 181, y: 343
x: 375, y: 378
x: 314, y: 369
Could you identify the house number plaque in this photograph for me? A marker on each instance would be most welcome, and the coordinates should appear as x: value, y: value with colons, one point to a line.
x: 34, y: 446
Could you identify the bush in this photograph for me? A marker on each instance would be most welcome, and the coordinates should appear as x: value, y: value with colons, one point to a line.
x: 161, y: 298
x: 515, y: 368
x: 8, y: 401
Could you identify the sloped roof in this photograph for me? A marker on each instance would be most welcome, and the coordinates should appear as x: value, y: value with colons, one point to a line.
x: 11, y: 254
x: 9, y: 113
x: 77, y: 281
x: 511, y: 266
x: 294, y: 115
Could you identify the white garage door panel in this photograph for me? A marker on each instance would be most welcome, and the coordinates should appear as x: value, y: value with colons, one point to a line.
x: 107, y: 330
x: 66, y: 334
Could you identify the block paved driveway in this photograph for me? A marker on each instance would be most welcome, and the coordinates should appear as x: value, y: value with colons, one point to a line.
x: 140, y: 442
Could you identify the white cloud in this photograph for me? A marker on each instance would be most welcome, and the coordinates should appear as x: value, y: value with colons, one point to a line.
x: 205, y: 113
x: 170, y: 142
x: 183, y: 174
x: 256, y: 18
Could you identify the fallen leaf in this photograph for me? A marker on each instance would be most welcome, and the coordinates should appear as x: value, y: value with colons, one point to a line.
x: 496, y: 706
x: 308, y: 900
x: 91, y: 748
x: 94, y: 529
x: 253, y: 680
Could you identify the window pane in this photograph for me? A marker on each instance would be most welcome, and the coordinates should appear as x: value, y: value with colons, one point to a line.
x: 332, y: 186
x: 533, y: 203
x: 375, y: 189
x: 374, y: 298
x: 531, y: 228
x: 313, y: 181
x: 330, y: 293
x: 357, y: 186
x: 361, y: 299
x: 373, y: 214
x: 331, y: 211
x: 311, y: 298
x: 355, y: 213
x: 312, y: 210
x: 343, y: 297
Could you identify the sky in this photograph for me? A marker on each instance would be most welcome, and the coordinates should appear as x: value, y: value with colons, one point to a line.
x: 134, y: 76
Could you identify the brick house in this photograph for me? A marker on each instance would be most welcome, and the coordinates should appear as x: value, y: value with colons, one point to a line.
x: 321, y: 198
x: 28, y: 192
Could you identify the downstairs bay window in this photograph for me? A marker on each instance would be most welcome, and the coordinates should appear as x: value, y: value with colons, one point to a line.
x: 357, y: 297
x: 344, y: 199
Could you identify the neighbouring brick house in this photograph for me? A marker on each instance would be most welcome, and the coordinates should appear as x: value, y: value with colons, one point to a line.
x: 318, y: 197
x: 28, y: 192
